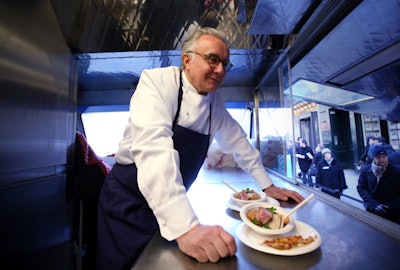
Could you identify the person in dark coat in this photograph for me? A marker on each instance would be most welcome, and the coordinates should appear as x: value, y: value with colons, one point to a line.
x: 380, y: 141
x: 304, y: 157
x: 297, y: 149
x: 388, y: 146
x: 379, y: 185
x: 364, y: 155
x: 317, y: 158
x: 394, y: 158
x: 330, y: 175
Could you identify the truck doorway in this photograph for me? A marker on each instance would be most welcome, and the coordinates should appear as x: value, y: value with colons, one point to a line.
x: 341, y: 136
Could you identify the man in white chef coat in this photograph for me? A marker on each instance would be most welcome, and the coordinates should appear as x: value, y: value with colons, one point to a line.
x: 174, y: 115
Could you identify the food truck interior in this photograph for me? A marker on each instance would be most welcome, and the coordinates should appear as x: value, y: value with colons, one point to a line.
x: 331, y: 68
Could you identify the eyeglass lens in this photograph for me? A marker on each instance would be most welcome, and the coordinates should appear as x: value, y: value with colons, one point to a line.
x: 214, y: 60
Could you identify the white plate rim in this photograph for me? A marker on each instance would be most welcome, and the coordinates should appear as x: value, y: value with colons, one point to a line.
x: 233, y: 206
x: 248, y: 236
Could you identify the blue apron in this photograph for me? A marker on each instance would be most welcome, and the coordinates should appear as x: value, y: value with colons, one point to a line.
x: 125, y: 221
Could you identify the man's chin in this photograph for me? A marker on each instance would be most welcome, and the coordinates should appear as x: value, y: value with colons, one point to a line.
x: 213, y: 88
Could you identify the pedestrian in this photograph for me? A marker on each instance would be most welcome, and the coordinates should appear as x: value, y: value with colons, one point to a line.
x: 330, y: 174
x: 317, y: 158
x: 364, y: 155
x: 379, y: 185
x: 304, y: 158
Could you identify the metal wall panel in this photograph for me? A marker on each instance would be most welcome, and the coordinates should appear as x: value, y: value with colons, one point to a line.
x: 32, y: 226
x: 37, y: 116
x: 36, y: 104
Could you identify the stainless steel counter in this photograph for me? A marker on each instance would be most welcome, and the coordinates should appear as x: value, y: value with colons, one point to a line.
x: 347, y: 242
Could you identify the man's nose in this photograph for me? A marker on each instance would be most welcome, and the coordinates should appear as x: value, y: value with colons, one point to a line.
x: 220, y: 68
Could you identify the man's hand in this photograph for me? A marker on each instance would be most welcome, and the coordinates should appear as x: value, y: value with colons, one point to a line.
x: 381, y: 210
x: 207, y: 243
x: 283, y: 194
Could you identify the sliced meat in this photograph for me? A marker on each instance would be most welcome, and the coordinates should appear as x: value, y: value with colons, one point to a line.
x: 244, y: 195
x: 263, y: 215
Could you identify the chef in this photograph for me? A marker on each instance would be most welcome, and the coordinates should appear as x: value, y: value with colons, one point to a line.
x: 174, y: 115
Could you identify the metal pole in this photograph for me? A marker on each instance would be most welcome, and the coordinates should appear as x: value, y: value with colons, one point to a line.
x: 257, y: 118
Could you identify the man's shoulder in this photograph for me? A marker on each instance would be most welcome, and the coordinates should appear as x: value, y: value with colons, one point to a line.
x: 366, y: 168
x: 162, y: 70
x: 308, y: 149
x: 166, y: 76
x: 395, y: 168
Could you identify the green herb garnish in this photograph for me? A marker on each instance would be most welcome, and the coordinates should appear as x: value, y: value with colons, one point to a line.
x: 266, y: 226
x: 255, y: 221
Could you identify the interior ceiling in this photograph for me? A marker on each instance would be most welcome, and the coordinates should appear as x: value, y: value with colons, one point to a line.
x: 353, y: 45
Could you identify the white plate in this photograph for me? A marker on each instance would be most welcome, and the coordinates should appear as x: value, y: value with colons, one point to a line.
x: 254, y: 240
x: 234, y: 206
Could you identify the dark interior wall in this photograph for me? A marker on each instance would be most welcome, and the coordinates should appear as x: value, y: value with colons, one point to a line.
x: 37, y: 116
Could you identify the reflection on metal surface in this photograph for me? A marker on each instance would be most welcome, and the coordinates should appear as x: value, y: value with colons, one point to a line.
x: 162, y: 25
x: 325, y: 94
x: 330, y: 42
x: 338, y: 59
x: 121, y: 70
x: 371, y: 63
x: 277, y: 17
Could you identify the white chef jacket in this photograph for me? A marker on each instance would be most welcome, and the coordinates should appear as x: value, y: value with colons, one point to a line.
x: 148, y: 142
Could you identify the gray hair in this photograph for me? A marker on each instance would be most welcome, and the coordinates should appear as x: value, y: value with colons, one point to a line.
x: 190, y: 43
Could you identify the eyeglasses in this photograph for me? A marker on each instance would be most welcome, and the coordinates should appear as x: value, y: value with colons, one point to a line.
x: 214, y: 60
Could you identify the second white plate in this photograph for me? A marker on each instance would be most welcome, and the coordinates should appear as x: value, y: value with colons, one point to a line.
x: 233, y: 206
x: 254, y: 240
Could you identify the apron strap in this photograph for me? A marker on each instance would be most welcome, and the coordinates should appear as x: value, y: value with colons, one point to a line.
x: 179, y: 100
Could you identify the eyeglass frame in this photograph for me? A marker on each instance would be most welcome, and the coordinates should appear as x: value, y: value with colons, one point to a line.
x: 227, y: 65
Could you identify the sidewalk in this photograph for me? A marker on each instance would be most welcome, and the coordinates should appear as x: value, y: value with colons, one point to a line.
x: 351, y: 179
x: 350, y: 195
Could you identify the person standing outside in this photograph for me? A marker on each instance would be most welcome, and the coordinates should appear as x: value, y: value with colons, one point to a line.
x: 329, y: 174
x: 174, y: 114
x: 383, y: 141
x: 379, y: 185
x: 364, y: 155
x: 317, y: 158
x: 304, y: 157
x: 297, y: 149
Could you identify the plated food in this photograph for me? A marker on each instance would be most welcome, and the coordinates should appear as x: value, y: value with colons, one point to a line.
x: 246, y: 196
x: 265, y: 218
x: 235, y: 207
x: 258, y: 242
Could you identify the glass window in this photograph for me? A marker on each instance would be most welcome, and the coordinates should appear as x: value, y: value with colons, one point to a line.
x: 104, y: 130
x: 275, y: 134
x: 243, y: 117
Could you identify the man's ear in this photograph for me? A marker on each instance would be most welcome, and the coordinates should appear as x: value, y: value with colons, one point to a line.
x: 186, y: 60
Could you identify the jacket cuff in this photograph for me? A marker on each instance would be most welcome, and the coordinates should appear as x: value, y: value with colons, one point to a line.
x: 174, y: 224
